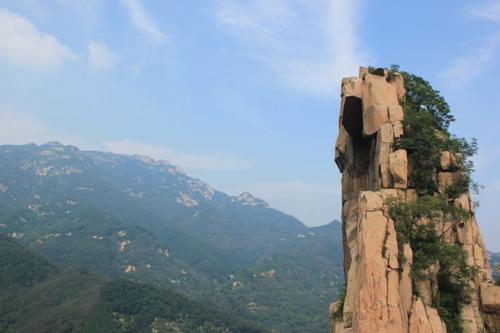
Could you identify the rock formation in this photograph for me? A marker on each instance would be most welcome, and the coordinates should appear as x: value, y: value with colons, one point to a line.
x: 381, y: 290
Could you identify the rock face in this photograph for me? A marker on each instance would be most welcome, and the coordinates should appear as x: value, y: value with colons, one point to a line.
x: 380, y: 289
x: 490, y: 300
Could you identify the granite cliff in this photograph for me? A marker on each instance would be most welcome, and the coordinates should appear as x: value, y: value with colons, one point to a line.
x: 414, y: 258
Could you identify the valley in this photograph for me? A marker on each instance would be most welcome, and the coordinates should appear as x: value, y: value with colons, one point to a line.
x: 134, y: 218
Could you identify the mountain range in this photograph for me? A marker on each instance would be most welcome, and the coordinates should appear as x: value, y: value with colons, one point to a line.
x: 38, y: 297
x: 494, y: 259
x: 138, y: 220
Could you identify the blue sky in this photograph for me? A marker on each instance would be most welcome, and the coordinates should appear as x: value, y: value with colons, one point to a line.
x: 241, y: 93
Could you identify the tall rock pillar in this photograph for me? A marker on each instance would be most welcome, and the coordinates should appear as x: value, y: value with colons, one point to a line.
x: 380, y: 289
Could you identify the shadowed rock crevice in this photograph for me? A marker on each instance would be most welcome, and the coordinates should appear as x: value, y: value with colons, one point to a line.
x: 353, y: 117
x: 361, y: 145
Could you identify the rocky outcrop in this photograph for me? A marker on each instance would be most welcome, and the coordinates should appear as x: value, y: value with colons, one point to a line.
x: 380, y: 289
x: 490, y: 301
x: 424, y: 319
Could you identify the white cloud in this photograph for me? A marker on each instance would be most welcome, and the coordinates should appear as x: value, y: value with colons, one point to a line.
x: 16, y: 128
x: 24, y: 128
x: 101, y: 56
x: 479, y: 58
x: 22, y: 44
x: 187, y: 161
x: 144, y: 23
x: 488, y: 11
x: 288, y: 37
x: 312, y: 203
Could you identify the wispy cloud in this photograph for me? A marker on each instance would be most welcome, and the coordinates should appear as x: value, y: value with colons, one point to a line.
x: 309, y: 44
x: 187, y: 161
x: 472, y: 64
x: 100, y: 56
x: 21, y: 43
x: 479, y: 57
x: 487, y: 11
x: 22, y: 128
x: 144, y: 22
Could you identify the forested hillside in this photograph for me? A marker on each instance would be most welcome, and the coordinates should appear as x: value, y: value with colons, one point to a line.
x: 143, y: 220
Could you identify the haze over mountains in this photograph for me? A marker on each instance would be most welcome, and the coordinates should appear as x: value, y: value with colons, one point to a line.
x: 95, y: 231
x: 145, y: 220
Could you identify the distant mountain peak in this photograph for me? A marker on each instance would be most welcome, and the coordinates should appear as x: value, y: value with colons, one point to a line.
x: 247, y: 199
x: 151, y: 161
x: 174, y: 169
x: 56, y: 146
x: 53, y: 144
x: 147, y: 159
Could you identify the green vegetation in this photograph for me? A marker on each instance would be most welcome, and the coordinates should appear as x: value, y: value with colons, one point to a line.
x: 423, y: 235
x: 36, y: 297
x: 19, y: 266
x: 416, y: 226
x: 136, y: 307
x: 426, y: 122
x: 338, y: 315
x: 427, y: 119
x: 49, y: 300
x: 78, y: 219
x: 290, y: 291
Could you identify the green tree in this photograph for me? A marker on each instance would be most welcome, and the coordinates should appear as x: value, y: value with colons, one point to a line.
x: 427, y: 120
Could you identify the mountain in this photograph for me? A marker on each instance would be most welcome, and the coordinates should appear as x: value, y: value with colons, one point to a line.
x: 495, y: 264
x: 144, y: 220
x: 301, y: 281
x: 35, y: 296
x: 52, y: 180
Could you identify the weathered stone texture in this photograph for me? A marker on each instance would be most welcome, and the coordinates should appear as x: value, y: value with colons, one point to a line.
x: 379, y: 295
x: 490, y: 300
x: 425, y: 319
x: 398, y: 164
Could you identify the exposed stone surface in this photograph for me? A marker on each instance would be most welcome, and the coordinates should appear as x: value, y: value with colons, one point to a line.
x: 427, y: 286
x: 445, y: 161
x: 380, y: 286
x: 406, y: 285
x: 425, y: 319
x: 331, y: 315
x: 377, y: 95
x: 398, y: 164
x: 437, y: 325
x: 396, y: 113
x: 490, y: 299
x: 445, y: 179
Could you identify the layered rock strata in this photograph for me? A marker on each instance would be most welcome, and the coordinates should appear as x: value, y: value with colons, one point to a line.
x: 380, y: 289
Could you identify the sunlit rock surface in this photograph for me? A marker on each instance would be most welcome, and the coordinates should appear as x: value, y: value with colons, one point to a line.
x: 380, y: 289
